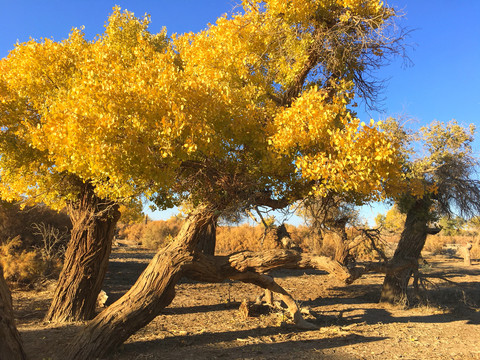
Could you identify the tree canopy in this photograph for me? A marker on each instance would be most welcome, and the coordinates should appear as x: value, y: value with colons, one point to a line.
x: 256, y: 108
x: 439, y: 166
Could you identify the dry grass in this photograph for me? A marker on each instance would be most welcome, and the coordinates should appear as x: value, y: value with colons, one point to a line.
x: 151, y: 235
x: 24, y: 267
x: 452, y: 245
x: 230, y: 239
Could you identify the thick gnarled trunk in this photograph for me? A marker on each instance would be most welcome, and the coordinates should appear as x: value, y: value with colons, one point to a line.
x: 155, y: 288
x: 11, y: 347
x: 153, y: 291
x: 86, y: 259
x: 249, y: 267
x: 408, y: 250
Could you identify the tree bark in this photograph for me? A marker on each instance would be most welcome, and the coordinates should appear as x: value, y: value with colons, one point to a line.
x: 153, y: 291
x: 155, y: 288
x: 11, y: 347
x: 408, y: 250
x: 467, y: 258
x: 249, y: 266
x: 208, y: 239
x: 342, y: 251
x: 219, y: 269
x: 261, y: 262
x: 86, y: 258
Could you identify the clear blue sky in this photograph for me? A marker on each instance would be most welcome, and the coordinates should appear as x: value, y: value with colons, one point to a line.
x: 442, y: 84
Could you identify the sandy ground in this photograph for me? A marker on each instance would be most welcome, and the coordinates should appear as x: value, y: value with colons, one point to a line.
x: 203, y: 322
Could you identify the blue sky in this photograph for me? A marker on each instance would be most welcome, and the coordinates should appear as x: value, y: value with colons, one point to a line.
x: 442, y: 83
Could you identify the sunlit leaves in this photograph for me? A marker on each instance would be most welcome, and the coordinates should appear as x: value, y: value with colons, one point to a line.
x: 254, y: 95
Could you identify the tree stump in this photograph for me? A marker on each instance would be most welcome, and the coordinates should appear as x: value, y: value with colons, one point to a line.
x: 467, y: 260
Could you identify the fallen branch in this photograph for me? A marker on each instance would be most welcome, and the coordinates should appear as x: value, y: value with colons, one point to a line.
x: 388, y: 268
x: 248, y: 267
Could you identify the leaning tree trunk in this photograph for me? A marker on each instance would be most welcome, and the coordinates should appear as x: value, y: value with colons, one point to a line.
x: 408, y: 250
x: 86, y: 259
x: 155, y: 288
x: 11, y: 347
x: 153, y: 291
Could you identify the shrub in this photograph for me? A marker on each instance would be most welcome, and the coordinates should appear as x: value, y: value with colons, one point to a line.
x: 157, y: 234
x: 133, y: 233
x: 238, y: 238
x: 52, y: 247
x: 20, y: 266
x: 15, y: 221
x: 245, y: 237
x: 32, y: 242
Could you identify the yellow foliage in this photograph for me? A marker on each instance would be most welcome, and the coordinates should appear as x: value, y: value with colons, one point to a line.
x: 394, y: 220
x: 128, y: 109
x: 132, y: 212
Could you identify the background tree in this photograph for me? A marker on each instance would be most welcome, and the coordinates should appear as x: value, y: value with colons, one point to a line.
x: 393, y: 221
x: 451, y: 225
x: 474, y: 223
x: 442, y: 182
x: 331, y: 214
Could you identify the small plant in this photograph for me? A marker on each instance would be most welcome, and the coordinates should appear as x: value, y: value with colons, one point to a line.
x: 52, y: 246
x: 26, y: 264
x: 20, y: 266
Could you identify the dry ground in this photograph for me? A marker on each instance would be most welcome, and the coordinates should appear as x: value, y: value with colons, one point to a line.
x: 203, y: 322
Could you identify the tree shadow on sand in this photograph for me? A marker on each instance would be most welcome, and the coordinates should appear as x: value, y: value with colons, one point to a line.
x: 256, y: 343
x: 375, y: 316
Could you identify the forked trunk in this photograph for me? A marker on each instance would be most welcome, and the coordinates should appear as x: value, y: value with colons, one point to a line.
x: 11, y: 347
x: 153, y: 291
x: 409, y: 247
x: 86, y: 258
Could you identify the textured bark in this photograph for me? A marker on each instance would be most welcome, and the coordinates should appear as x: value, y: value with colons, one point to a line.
x: 286, y: 259
x: 248, y: 266
x: 208, y: 239
x: 387, y: 268
x: 153, y: 291
x: 408, y: 250
x: 86, y: 258
x: 11, y: 347
x: 219, y: 268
